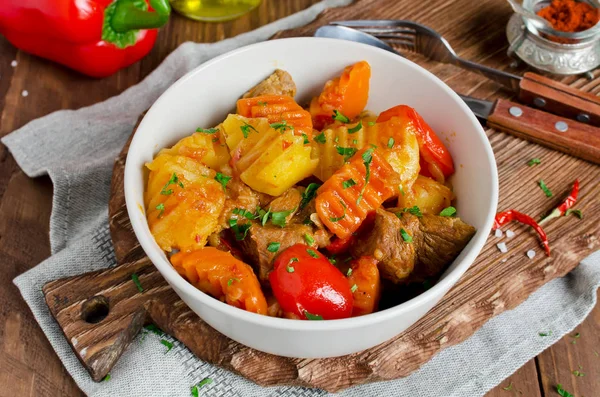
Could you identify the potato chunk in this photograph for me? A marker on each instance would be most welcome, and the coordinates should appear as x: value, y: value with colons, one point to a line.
x: 183, y: 202
x: 268, y: 159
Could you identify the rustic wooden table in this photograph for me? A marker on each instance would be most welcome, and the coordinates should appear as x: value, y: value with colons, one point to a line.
x: 28, y: 365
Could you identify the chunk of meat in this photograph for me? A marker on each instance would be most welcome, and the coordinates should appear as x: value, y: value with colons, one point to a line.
x: 288, y: 201
x: 279, y: 83
x: 237, y: 195
x: 440, y: 241
x: 255, y: 245
x: 384, y: 242
x: 436, y: 242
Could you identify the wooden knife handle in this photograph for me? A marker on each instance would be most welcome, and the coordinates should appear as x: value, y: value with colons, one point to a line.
x: 558, y: 133
x: 554, y: 97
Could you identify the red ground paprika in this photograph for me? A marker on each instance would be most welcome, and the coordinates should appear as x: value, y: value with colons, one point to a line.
x: 94, y: 37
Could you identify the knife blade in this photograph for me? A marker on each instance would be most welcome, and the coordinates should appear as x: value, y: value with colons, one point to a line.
x: 532, y: 89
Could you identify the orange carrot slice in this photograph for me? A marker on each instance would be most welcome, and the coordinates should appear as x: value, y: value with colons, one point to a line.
x: 278, y: 109
x: 355, y: 190
x: 347, y: 94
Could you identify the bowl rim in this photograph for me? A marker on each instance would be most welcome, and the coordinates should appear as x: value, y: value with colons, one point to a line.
x: 176, y: 280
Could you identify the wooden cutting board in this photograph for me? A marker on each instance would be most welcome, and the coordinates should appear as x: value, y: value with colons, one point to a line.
x: 101, y: 312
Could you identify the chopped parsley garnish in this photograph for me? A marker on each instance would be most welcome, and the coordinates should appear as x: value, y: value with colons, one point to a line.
x: 577, y: 213
x: 136, y: 281
x: 371, y: 123
x: 354, y: 288
x: 310, y: 316
x: 348, y: 183
x: 106, y: 378
x: 355, y: 141
x: 401, y: 189
x: 161, y: 208
x: 278, y: 218
x: 273, y: 246
x: 290, y: 269
x: 578, y: 373
x: 332, y: 219
x: 543, y: 186
x: 239, y: 231
x: 263, y: 215
x: 349, y: 272
x: 545, y: 333
x: 309, y: 239
x: 243, y: 212
x: 231, y: 281
x: 168, y: 344
x: 282, y: 126
x: 205, y: 381
x: 356, y: 128
x: 533, y: 162
x: 309, y: 194
x: 305, y: 138
x: 337, y: 219
x: 320, y: 138
x: 405, y: 236
x: 509, y: 387
x: 336, y: 139
x: 347, y: 152
x: 575, y: 337
x: 246, y: 129
x: 416, y: 211
x: 308, y: 221
x: 173, y: 181
x: 367, y: 157
x: 312, y: 253
x: 340, y: 117
x: 448, y: 211
x: 222, y: 179
x: 154, y: 329
x: 562, y: 392
x: 207, y: 131
x: 391, y: 142
x: 261, y: 103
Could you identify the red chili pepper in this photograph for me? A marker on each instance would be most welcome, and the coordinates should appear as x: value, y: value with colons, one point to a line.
x: 502, y: 218
x: 565, y: 205
x: 94, y: 37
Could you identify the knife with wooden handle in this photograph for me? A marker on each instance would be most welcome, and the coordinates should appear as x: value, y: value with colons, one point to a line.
x: 558, y: 133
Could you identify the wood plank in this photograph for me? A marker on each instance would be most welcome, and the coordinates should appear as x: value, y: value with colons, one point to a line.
x: 573, y: 353
x: 524, y: 382
x: 30, y: 367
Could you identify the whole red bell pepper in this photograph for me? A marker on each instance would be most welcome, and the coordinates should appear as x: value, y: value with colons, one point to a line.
x: 94, y: 37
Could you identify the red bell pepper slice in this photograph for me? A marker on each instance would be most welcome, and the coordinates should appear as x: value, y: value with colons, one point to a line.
x: 431, y: 147
x: 94, y: 37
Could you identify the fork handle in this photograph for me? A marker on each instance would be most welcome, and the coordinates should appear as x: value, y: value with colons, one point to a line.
x: 558, y: 98
x: 567, y: 136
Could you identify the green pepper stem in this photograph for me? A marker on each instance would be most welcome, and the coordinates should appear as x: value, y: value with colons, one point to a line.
x: 128, y: 17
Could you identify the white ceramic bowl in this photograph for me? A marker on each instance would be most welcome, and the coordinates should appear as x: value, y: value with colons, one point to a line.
x: 208, y: 93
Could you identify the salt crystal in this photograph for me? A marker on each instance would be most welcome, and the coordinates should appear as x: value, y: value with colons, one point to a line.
x: 510, y: 234
x: 498, y: 233
x: 13, y: 64
x: 502, y: 247
x: 503, y: 260
x: 24, y: 93
x: 531, y: 254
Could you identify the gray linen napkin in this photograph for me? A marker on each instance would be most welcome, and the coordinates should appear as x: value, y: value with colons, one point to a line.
x: 77, y: 150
